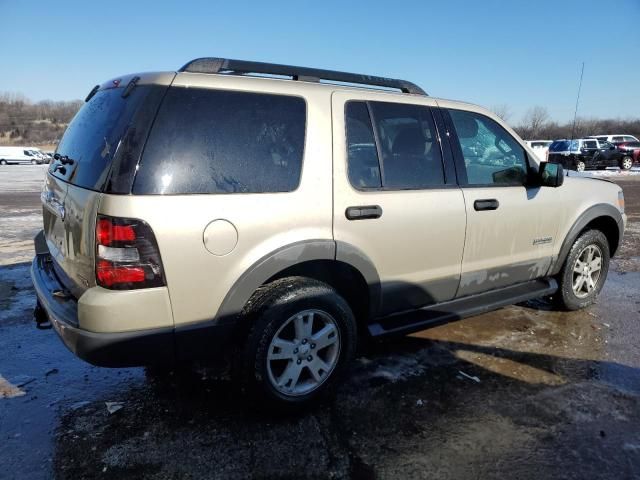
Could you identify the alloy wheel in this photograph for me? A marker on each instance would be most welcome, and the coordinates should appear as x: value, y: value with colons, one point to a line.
x: 580, y: 166
x: 627, y: 163
x: 586, y: 271
x: 303, y: 352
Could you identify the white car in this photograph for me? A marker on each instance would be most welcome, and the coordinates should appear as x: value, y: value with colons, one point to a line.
x: 616, y: 138
x: 540, y: 148
x: 20, y: 155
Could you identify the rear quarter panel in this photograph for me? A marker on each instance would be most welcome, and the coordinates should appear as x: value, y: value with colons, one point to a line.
x: 198, y: 280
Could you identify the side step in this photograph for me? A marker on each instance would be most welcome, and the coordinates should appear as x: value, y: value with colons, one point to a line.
x: 429, y: 316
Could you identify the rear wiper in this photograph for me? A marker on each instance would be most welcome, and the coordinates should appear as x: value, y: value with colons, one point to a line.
x: 93, y: 91
x: 63, y: 159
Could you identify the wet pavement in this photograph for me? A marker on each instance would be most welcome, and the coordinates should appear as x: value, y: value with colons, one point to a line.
x: 523, y: 392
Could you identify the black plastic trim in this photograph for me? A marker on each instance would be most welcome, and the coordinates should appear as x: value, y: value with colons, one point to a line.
x: 412, y: 321
x: 590, y: 214
x: 227, y: 65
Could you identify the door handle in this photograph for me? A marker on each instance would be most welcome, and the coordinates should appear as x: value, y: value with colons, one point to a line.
x: 486, y: 204
x: 364, y: 212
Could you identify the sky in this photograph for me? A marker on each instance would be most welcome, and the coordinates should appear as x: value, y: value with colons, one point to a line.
x: 515, y: 53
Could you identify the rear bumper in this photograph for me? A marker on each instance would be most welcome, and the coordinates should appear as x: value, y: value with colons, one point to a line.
x: 203, y: 341
x: 122, y: 349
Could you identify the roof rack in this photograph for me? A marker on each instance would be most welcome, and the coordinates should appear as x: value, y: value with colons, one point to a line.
x: 227, y: 65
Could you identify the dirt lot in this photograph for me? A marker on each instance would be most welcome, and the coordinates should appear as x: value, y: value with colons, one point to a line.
x: 523, y: 392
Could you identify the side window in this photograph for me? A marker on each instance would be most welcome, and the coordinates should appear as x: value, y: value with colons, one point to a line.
x: 590, y: 144
x: 407, y: 142
x: 491, y: 155
x: 219, y: 141
x: 617, y: 139
x: 411, y: 157
x: 362, y: 156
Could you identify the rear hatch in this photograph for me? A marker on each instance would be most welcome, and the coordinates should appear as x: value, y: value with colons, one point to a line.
x: 98, y: 154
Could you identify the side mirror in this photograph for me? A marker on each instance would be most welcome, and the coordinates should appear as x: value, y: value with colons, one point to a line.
x: 551, y: 174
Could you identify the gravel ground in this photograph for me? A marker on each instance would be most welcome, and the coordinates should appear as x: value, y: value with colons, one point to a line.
x: 523, y: 392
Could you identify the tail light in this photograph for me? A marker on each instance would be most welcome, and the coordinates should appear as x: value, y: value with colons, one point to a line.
x: 127, y: 255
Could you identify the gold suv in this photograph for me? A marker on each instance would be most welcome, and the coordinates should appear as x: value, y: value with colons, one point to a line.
x: 275, y: 214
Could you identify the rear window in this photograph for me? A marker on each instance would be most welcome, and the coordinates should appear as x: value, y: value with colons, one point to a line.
x: 105, y: 138
x: 218, y: 141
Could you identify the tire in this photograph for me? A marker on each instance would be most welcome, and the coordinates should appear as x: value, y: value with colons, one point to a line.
x: 626, y: 163
x: 568, y: 296
x: 293, y: 312
x: 581, y: 166
x: 3, y: 162
x: 34, y: 162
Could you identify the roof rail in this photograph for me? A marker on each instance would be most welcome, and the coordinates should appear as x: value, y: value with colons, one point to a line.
x: 226, y: 65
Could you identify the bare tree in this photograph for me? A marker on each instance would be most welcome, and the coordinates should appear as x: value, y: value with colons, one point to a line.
x: 534, y: 121
x: 502, y: 110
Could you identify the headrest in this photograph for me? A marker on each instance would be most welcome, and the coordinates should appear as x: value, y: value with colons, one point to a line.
x: 409, y: 141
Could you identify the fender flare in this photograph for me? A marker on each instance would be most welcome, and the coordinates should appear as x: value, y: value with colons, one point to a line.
x: 289, y: 256
x: 590, y: 214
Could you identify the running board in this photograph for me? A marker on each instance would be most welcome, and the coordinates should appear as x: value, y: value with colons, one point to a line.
x: 429, y: 316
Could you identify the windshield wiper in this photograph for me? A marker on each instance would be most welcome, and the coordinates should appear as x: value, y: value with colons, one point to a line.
x: 63, y: 159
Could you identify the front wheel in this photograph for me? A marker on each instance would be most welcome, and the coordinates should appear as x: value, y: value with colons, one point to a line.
x: 581, y: 166
x: 3, y: 162
x: 626, y: 163
x: 302, y: 336
x: 34, y: 162
x: 584, y: 271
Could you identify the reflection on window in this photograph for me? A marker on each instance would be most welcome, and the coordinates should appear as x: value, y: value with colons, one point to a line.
x: 491, y: 155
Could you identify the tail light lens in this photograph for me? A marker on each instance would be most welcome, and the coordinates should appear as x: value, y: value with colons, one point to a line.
x: 127, y: 255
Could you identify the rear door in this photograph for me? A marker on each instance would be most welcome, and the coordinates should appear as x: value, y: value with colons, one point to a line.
x: 396, y: 202
x: 511, y: 227
x: 98, y: 152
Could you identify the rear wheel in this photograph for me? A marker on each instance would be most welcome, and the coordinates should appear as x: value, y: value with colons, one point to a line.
x: 302, y: 336
x: 3, y: 162
x: 626, y: 163
x: 584, y: 271
x: 34, y: 162
x: 580, y: 166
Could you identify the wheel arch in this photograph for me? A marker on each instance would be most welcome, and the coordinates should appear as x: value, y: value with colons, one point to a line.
x: 343, y: 267
x: 603, y: 217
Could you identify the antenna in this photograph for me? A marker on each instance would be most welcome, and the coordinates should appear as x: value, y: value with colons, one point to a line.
x: 575, y: 113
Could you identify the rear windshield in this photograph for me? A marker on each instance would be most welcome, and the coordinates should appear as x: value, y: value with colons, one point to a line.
x: 563, y: 146
x: 218, y: 141
x: 105, y: 138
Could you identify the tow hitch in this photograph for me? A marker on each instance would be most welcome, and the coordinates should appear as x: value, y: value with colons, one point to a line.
x: 41, y: 318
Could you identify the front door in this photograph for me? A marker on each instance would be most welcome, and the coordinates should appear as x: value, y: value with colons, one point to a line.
x: 396, y: 203
x: 510, y: 226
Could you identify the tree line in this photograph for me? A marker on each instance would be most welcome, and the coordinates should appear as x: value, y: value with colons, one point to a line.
x: 536, y: 124
x: 23, y: 122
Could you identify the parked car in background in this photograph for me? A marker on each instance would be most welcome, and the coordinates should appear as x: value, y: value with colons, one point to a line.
x: 586, y: 154
x: 616, y: 138
x: 632, y: 149
x: 20, y: 155
x: 540, y: 148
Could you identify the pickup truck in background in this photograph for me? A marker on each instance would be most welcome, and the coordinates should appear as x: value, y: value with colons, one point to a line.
x: 588, y: 153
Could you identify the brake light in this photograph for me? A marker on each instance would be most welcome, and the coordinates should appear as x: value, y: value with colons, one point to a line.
x: 107, y: 232
x: 127, y: 255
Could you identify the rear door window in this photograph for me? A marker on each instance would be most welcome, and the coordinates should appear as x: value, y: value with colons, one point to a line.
x: 219, y: 141
x: 399, y: 152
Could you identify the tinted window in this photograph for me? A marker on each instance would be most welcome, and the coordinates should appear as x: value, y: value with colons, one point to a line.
x: 617, y: 139
x: 411, y: 157
x: 364, y: 169
x: 629, y: 139
x: 563, y: 146
x: 105, y: 137
x: 215, y: 141
x: 491, y: 155
x: 590, y: 144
